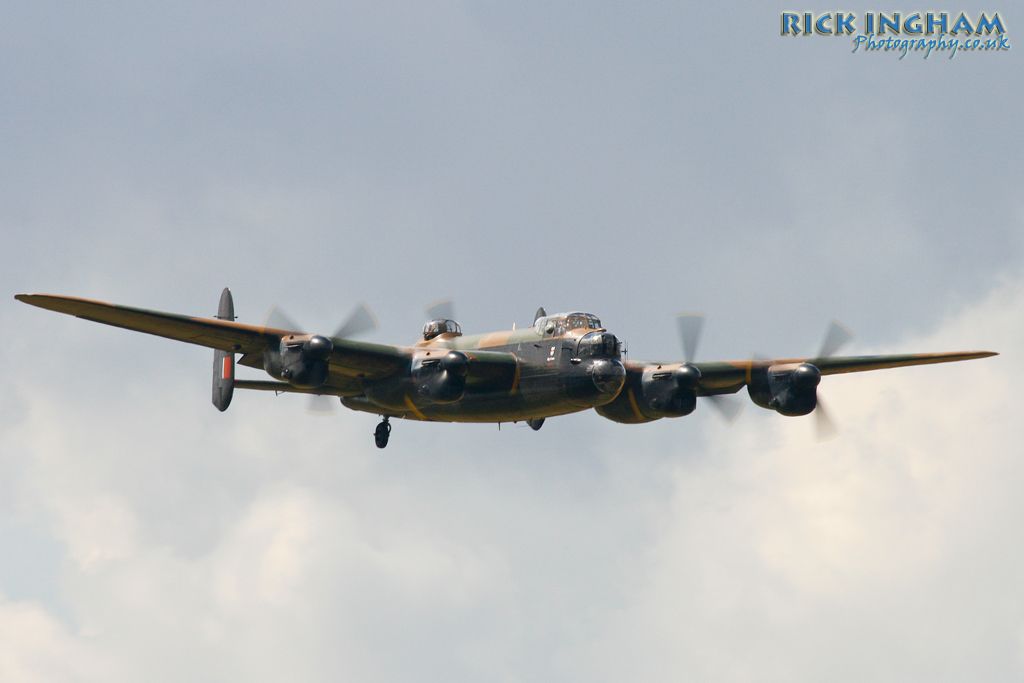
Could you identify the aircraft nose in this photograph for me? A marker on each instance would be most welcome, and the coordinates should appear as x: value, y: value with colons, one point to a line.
x: 609, y: 375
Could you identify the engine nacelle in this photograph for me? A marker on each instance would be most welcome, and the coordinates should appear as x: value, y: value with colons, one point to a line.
x: 789, y: 389
x: 669, y: 393
x: 441, y: 380
x: 301, y: 363
x: 654, y: 394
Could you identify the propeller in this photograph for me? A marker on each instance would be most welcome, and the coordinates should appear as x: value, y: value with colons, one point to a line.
x: 277, y: 319
x: 690, y: 326
x: 824, y: 426
x: 836, y: 337
x: 442, y: 308
x: 360, y: 321
x: 728, y: 409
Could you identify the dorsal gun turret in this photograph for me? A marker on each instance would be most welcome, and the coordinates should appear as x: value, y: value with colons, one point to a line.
x: 439, y: 326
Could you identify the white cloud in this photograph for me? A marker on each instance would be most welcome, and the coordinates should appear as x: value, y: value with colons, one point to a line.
x: 883, y: 553
x: 37, y: 647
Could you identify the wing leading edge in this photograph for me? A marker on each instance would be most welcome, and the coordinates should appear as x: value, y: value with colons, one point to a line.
x: 727, y: 377
x: 349, y: 359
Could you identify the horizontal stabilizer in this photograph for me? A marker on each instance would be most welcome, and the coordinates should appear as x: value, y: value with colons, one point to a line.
x: 279, y: 387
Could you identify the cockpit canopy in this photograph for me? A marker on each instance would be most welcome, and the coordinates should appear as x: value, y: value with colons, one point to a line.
x: 560, y: 323
x: 440, y: 326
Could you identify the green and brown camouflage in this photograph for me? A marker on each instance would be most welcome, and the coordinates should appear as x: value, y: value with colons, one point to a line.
x: 563, y: 363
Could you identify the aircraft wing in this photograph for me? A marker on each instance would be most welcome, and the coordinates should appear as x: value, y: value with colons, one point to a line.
x: 216, y: 334
x: 728, y: 377
x: 488, y: 370
x: 350, y: 360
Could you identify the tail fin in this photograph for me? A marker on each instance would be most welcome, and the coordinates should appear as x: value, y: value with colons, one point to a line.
x: 224, y: 361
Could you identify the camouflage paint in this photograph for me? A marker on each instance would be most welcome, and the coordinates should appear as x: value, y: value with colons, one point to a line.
x: 523, y: 374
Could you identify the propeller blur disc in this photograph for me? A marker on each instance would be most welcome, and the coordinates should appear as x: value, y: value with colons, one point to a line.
x: 320, y: 404
x: 442, y: 308
x: 361, y: 320
x: 277, y: 320
x: 690, y: 326
x: 727, y: 407
x: 836, y: 337
x: 825, y: 428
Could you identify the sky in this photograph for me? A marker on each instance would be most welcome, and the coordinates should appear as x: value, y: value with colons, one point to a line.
x: 632, y: 160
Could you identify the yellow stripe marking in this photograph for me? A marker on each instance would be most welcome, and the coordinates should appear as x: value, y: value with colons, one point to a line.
x: 636, y: 408
x: 515, y: 382
x: 417, y: 413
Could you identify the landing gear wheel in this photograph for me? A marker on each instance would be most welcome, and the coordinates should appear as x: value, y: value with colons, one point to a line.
x: 380, y: 436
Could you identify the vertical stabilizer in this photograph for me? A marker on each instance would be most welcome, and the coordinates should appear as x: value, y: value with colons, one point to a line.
x: 224, y: 361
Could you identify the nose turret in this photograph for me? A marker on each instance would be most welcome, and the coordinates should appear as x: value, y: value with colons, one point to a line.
x: 608, y: 375
x: 600, y: 344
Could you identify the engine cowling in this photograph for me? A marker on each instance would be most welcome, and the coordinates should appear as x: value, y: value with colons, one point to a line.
x: 441, y: 380
x: 669, y: 393
x: 654, y: 394
x: 301, y: 363
x: 789, y: 389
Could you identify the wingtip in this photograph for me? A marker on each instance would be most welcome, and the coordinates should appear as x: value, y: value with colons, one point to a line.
x: 38, y: 299
x: 30, y: 299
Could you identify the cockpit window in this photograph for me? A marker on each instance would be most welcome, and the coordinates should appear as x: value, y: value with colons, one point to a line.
x: 440, y: 326
x: 578, y: 320
x: 557, y: 326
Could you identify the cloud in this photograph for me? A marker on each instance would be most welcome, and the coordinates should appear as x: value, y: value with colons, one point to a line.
x: 885, y: 553
x: 265, y: 543
x: 629, y: 160
x: 37, y: 647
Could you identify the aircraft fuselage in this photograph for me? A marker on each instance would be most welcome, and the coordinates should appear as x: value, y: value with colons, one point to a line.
x: 556, y: 372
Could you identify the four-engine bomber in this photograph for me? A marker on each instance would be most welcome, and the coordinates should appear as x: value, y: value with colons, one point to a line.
x: 563, y: 363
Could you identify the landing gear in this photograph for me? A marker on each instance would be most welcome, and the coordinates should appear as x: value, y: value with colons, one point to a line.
x: 380, y: 436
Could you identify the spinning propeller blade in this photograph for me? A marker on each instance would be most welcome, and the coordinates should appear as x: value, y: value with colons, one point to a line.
x: 277, y: 320
x: 728, y: 409
x: 690, y: 327
x: 825, y: 429
x: 836, y: 337
x: 442, y: 308
x: 320, y: 405
x: 360, y: 321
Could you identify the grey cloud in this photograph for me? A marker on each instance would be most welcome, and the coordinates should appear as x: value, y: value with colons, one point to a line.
x: 632, y: 161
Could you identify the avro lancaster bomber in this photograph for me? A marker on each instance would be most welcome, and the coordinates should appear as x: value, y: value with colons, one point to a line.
x: 563, y: 363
